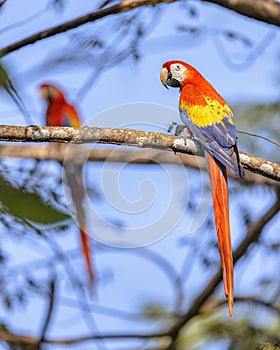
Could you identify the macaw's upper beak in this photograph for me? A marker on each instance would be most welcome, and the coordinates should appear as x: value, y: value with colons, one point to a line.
x: 43, y: 95
x: 43, y: 92
x: 165, y: 77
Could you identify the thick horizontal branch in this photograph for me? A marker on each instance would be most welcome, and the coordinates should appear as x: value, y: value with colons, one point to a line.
x: 265, y: 11
x: 131, y: 156
x: 128, y: 137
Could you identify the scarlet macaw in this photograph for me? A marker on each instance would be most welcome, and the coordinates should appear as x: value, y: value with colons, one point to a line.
x: 61, y: 113
x: 209, y: 120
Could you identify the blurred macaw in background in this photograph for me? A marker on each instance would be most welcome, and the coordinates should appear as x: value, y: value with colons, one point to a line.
x: 209, y: 120
x: 61, y: 113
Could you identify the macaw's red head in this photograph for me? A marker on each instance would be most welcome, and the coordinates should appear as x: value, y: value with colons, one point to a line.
x: 176, y: 73
x: 51, y: 93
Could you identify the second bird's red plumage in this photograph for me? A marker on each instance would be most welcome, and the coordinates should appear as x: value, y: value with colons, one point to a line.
x: 61, y: 113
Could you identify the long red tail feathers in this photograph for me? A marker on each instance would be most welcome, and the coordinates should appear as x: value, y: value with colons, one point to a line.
x: 76, y: 185
x: 219, y: 187
x: 87, y: 256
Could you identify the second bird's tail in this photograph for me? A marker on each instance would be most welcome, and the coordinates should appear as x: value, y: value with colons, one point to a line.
x: 75, y: 182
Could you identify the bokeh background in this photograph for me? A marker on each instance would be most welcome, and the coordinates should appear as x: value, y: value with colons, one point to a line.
x: 153, y: 236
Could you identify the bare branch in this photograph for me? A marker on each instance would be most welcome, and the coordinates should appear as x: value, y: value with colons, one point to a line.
x: 244, y: 299
x: 2, y: 2
x: 260, y: 137
x: 128, y: 137
x: 49, y: 313
x: 144, y: 157
x: 10, y: 337
x: 260, y: 166
x: 265, y: 11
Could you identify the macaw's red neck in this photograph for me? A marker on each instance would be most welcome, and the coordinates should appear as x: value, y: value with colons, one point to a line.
x: 58, y: 97
x: 203, y: 92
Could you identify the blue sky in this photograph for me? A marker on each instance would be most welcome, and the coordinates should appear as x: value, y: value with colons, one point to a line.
x: 164, y: 43
x: 128, y: 278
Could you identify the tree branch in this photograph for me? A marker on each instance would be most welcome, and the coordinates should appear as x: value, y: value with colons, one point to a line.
x: 265, y: 11
x: 2, y: 2
x: 245, y: 299
x: 10, y: 337
x: 143, y: 157
x: 13, y: 338
x: 128, y: 137
x: 50, y: 309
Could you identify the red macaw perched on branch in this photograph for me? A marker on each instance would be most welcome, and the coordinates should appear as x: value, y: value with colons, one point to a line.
x: 209, y: 120
x: 61, y: 113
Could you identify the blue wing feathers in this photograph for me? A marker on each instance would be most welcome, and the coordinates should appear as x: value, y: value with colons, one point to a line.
x: 225, y: 136
x: 218, y: 139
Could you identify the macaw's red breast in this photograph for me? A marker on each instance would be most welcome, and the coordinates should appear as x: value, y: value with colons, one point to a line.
x: 197, y: 90
x: 62, y: 114
x: 59, y: 111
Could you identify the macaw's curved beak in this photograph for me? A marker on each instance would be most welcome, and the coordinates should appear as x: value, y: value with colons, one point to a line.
x: 44, y: 93
x: 165, y: 77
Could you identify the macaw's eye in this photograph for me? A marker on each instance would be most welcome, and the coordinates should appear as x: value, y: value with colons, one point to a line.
x: 178, y: 67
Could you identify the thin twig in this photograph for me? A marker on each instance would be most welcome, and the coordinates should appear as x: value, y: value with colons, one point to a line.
x: 247, y: 299
x: 22, y: 22
x: 2, y: 2
x: 8, y: 336
x: 260, y: 137
x: 51, y: 297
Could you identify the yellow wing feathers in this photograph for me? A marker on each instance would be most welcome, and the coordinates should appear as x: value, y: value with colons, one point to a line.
x: 210, y: 113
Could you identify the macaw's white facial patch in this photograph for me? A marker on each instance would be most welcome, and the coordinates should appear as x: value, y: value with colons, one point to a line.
x: 178, y: 72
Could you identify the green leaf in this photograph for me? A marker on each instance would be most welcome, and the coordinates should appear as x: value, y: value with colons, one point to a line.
x: 4, y: 78
x: 28, y: 206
